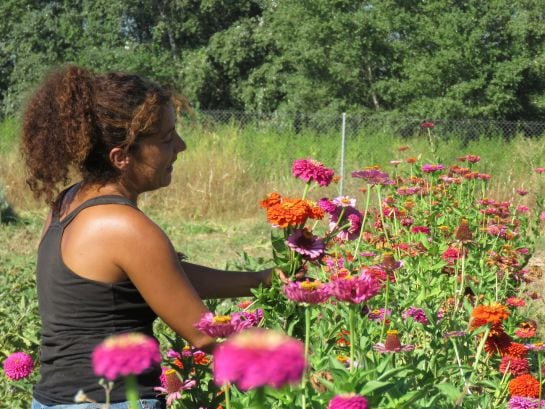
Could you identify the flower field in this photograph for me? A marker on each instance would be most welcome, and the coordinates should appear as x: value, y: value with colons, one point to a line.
x: 408, y: 292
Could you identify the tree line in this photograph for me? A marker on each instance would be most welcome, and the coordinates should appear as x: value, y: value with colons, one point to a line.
x: 424, y: 58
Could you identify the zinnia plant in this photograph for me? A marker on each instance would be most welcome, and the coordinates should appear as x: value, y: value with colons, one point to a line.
x: 18, y: 365
x: 126, y: 355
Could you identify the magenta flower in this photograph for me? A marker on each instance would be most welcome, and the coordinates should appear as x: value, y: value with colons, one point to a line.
x: 521, y: 402
x: 392, y: 344
x: 18, y: 365
x: 473, y: 158
x: 327, y: 205
x: 125, y: 354
x: 373, y: 176
x: 254, y: 317
x: 307, y: 292
x: 416, y: 314
x: 408, y: 191
x: 420, y: 229
x: 221, y: 326
x: 431, y: 168
x: 311, y: 170
x: 302, y: 241
x: 259, y: 357
x: 522, y: 209
x: 172, y: 386
x: 539, y: 170
x: 355, y: 289
x: 348, y: 401
x: 350, y: 216
x: 379, y: 314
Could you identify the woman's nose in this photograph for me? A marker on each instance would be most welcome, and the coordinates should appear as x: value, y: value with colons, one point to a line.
x: 180, y: 144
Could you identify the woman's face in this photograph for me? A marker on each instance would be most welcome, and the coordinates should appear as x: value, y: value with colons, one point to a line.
x: 152, y: 162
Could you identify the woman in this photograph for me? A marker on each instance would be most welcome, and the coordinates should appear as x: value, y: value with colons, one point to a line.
x: 103, y: 266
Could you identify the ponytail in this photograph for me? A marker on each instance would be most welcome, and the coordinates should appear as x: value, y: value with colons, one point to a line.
x: 57, y: 129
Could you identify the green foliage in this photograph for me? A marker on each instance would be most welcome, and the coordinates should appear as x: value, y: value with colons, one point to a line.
x: 19, y: 320
x: 439, y: 59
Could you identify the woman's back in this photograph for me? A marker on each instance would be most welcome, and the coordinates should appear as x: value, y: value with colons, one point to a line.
x: 79, y: 312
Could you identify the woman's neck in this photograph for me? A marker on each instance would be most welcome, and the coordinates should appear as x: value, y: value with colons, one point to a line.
x: 112, y: 188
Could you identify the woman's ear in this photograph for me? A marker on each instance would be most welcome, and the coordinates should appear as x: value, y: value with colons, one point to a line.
x: 120, y: 158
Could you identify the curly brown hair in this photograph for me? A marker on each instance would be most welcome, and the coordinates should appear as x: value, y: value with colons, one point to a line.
x: 75, y: 118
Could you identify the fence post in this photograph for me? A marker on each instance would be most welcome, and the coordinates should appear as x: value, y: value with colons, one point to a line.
x: 343, y: 136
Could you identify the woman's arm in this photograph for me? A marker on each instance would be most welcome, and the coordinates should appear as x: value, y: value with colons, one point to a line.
x: 142, y: 250
x: 213, y: 283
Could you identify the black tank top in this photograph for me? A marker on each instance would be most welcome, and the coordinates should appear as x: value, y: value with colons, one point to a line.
x: 77, y: 314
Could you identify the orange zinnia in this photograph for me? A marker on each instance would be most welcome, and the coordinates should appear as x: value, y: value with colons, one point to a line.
x: 488, y: 314
x: 517, y: 350
x: 292, y: 212
x: 524, y: 385
x: 271, y: 200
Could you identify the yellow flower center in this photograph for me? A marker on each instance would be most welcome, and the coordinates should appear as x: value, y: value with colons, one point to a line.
x: 222, y: 319
x: 310, y: 285
x: 342, y: 358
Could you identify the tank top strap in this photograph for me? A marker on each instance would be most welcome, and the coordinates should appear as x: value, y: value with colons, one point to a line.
x: 96, y: 201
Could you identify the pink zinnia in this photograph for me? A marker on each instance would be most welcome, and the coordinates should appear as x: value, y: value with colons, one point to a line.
x: 420, y: 229
x: 327, y: 205
x: 172, y: 386
x: 373, y: 177
x: 348, y: 401
x: 379, y: 314
x: 539, y: 170
x: 350, y: 216
x: 522, y: 209
x: 254, y: 317
x: 521, y: 402
x: 416, y: 314
x: 430, y: 168
x: 392, y: 344
x: 307, y: 292
x: 259, y: 357
x: 451, y: 255
x: 344, y: 201
x: 483, y: 176
x: 18, y: 365
x: 355, y: 289
x: 515, y: 366
x: 311, y: 170
x: 221, y: 326
x: 473, y: 158
x: 515, y: 302
x: 302, y: 241
x: 125, y: 354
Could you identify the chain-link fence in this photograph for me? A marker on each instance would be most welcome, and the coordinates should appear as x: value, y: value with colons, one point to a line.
x: 465, y: 129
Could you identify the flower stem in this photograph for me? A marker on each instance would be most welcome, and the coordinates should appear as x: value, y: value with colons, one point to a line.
x: 385, y: 305
x: 132, y: 391
x: 479, y: 352
x: 540, y: 375
x: 352, y: 336
x: 367, y: 200
x: 260, y: 401
x: 306, y: 190
x: 379, y: 196
x: 227, y: 396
